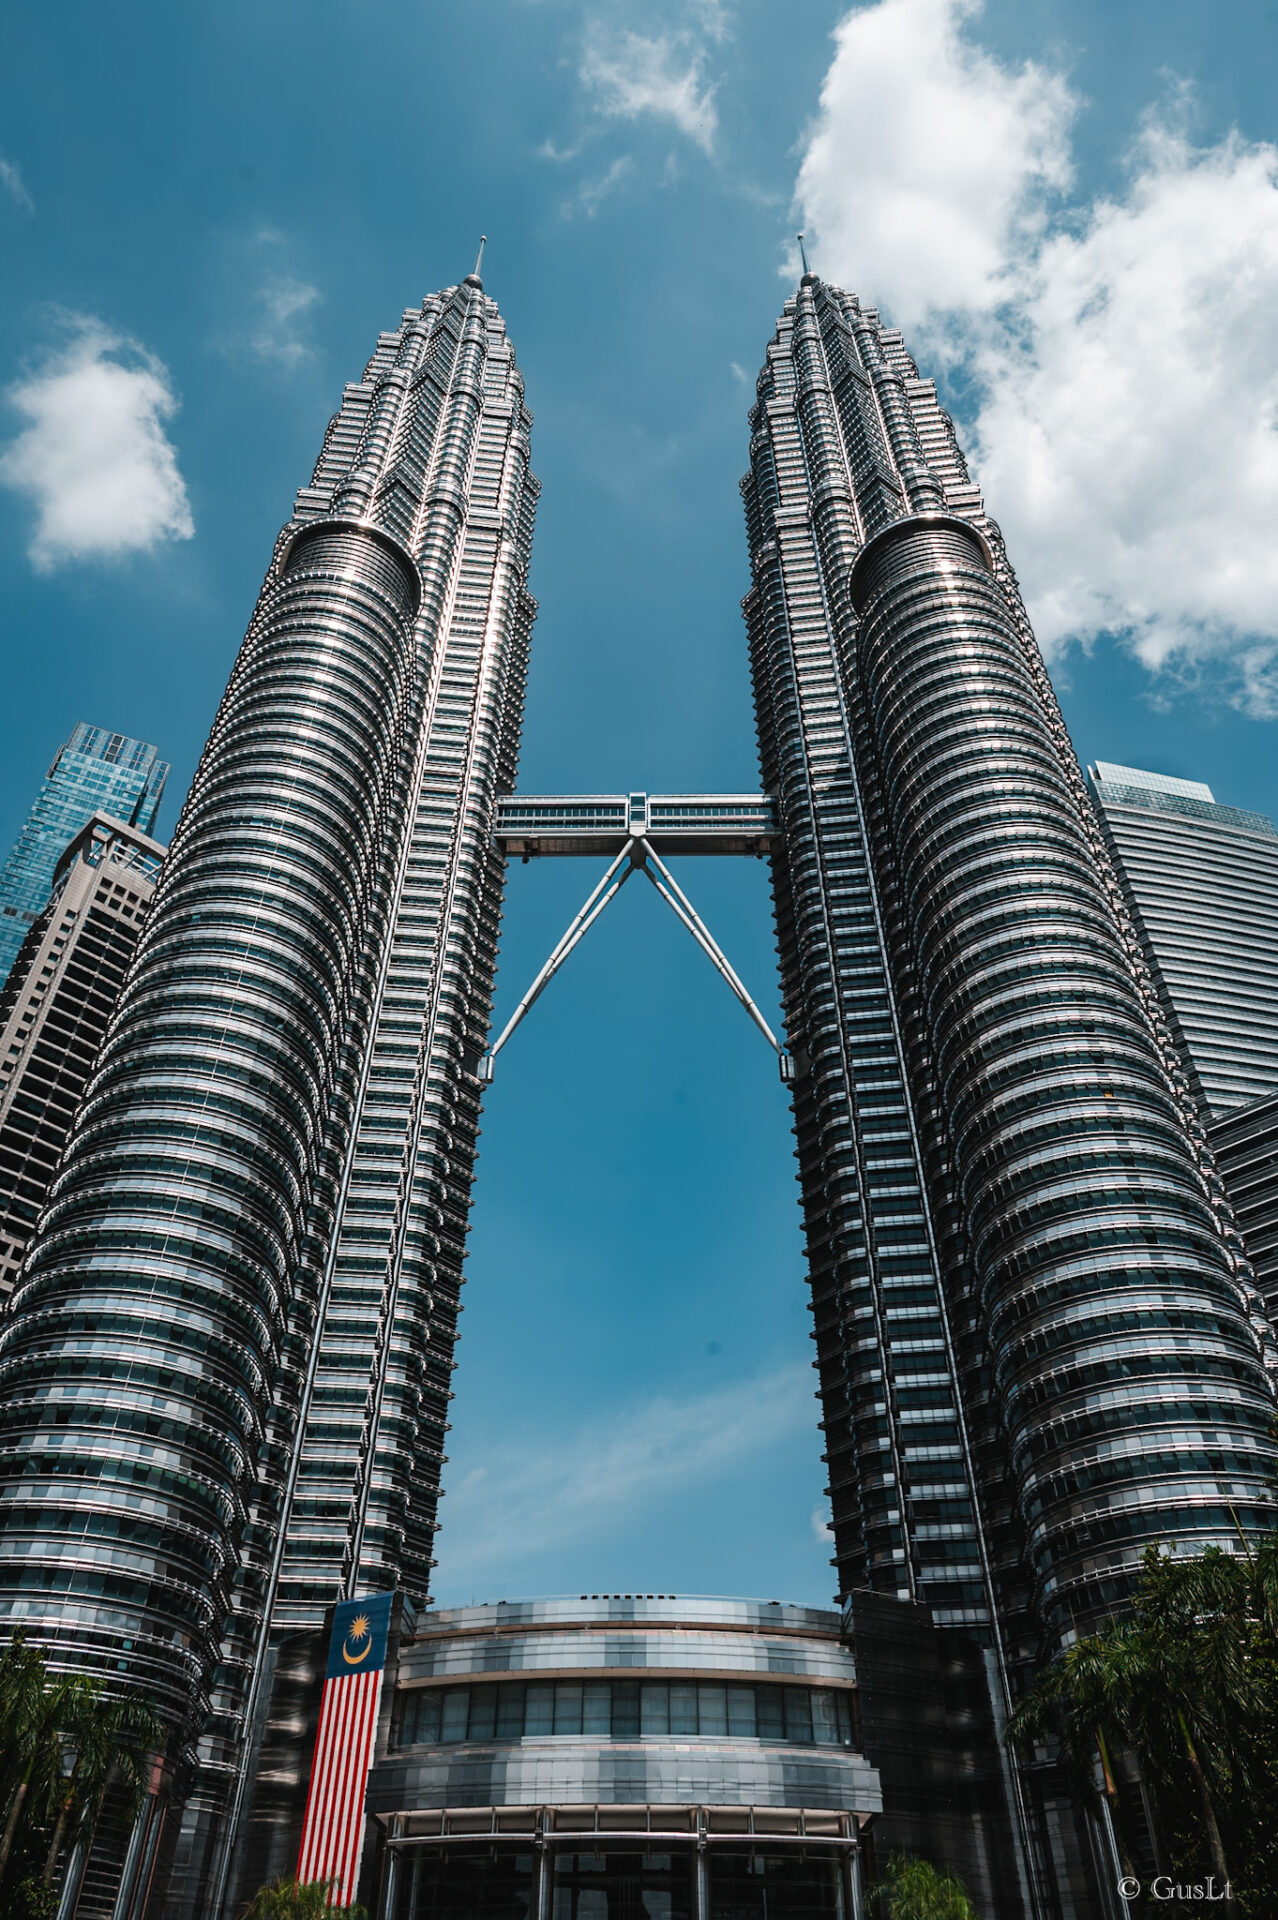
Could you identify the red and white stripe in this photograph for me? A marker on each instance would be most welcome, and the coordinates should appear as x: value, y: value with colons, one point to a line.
x: 333, y: 1830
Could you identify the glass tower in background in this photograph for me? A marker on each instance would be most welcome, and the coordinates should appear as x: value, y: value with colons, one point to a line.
x: 1201, y: 881
x: 95, y: 772
x: 260, y: 1220
x: 54, y: 1011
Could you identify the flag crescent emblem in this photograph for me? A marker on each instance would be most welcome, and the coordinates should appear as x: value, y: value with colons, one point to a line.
x: 358, y: 1631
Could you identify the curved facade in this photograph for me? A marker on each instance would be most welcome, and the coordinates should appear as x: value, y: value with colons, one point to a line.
x: 1040, y: 1347
x: 228, y: 1368
x: 168, y: 1251
x: 646, y: 1753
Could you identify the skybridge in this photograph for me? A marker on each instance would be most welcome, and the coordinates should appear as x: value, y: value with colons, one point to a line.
x: 632, y: 831
x: 671, y: 823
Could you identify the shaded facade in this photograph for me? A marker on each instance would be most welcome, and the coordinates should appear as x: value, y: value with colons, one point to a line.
x: 54, y: 1012
x: 95, y: 772
x: 1201, y: 883
x: 1245, y: 1143
x: 261, y: 1219
x: 1039, y: 1346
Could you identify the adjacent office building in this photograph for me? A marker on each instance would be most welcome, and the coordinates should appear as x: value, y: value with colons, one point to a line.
x: 1031, y: 1309
x: 95, y: 772
x: 1245, y: 1143
x: 54, y: 1010
x: 1201, y: 883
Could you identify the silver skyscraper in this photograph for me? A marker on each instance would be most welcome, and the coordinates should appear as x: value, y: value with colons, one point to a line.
x: 244, y: 1299
x: 226, y: 1375
x: 1039, y: 1345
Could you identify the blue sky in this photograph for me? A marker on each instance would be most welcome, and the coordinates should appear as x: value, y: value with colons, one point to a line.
x: 206, y: 215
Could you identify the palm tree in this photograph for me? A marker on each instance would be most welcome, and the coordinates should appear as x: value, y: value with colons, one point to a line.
x: 1187, y: 1683
x: 29, y: 1750
x: 914, y: 1889
x: 292, y: 1899
x: 103, y: 1739
x: 1089, y: 1698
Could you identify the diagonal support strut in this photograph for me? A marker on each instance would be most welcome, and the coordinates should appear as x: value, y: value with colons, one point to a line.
x: 636, y: 855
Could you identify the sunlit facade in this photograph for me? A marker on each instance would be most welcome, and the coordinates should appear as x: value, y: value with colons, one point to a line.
x: 1039, y: 1348
x: 260, y: 1224
x: 97, y: 771
x: 1201, y: 882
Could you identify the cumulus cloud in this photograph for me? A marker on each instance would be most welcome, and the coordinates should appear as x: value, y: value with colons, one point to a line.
x: 94, y: 459
x: 929, y: 164
x: 630, y: 76
x: 523, y: 1500
x: 1122, y: 356
x: 1128, y: 438
x: 14, y: 185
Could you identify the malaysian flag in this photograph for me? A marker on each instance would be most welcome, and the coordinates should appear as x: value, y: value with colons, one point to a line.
x: 333, y: 1830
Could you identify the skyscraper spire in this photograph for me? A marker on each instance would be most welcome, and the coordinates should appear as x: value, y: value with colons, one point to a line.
x: 473, y: 277
x: 803, y: 253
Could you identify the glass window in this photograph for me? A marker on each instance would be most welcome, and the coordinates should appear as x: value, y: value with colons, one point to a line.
x: 482, y: 1724
x: 596, y: 1708
x: 510, y: 1710
x: 567, y: 1707
x: 428, y: 1709
x: 742, y: 1719
x: 825, y: 1717
x: 789, y: 1886
x: 712, y: 1709
x: 624, y: 1886
x: 683, y: 1709
x: 654, y: 1714
x: 769, y: 1713
x: 456, y: 1713
x: 625, y: 1709
x: 539, y: 1708
x: 798, y: 1713
x: 472, y: 1883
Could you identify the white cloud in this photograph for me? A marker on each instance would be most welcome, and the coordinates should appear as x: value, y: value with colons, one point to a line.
x: 283, y: 335
x: 631, y: 75
x: 929, y: 163
x: 520, y: 1501
x: 590, y: 193
x: 1123, y: 357
x: 14, y: 185
x: 94, y: 460
x: 1128, y: 439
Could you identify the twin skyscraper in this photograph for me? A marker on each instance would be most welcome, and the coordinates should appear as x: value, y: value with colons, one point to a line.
x: 227, y: 1371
